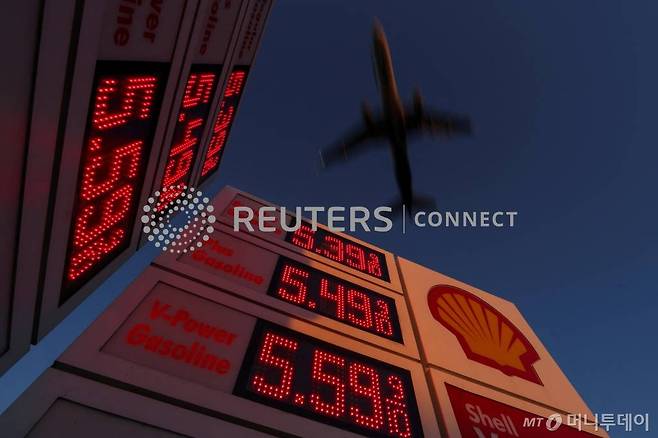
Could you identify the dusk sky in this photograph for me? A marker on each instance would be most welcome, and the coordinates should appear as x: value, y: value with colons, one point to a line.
x: 562, y: 96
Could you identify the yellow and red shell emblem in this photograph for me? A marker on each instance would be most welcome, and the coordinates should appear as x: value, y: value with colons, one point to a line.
x: 484, y: 334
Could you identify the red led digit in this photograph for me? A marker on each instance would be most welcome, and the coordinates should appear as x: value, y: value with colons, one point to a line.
x: 370, y: 390
x: 355, y: 257
x: 224, y: 119
x: 198, y: 89
x: 321, y: 360
x: 396, y: 409
x: 235, y: 83
x: 359, y: 301
x: 374, y: 268
x: 303, y: 237
x: 102, y: 120
x: 338, y: 296
x: 131, y: 153
x: 220, y: 133
x: 92, y: 242
x: 141, y: 89
x: 136, y: 92
x: 281, y: 390
x: 114, y: 210
x: 93, y: 253
x: 189, y: 140
x: 333, y: 248
x: 382, y: 318
x: 177, y: 168
x: 294, y: 284
x: 180, y: 161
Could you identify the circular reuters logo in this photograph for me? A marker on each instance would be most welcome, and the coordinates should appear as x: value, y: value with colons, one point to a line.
x: 178, y: 219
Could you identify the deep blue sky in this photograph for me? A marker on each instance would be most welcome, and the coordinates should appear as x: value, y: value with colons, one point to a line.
x: 563, y: 98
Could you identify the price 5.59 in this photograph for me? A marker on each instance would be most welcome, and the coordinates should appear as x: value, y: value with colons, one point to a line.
x: 300, y: 374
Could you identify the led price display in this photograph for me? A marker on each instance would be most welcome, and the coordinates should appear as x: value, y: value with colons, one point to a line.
x: 303, y: 375
x: 341, y: 250
x: 227, y: 109
x: 191, y: 119
x: 335, y: 298
x: 121, y: 122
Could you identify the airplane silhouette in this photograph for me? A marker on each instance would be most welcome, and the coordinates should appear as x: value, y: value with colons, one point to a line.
x: 395, y: 124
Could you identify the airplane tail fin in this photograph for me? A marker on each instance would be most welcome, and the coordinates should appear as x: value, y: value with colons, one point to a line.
x: 419, y: 203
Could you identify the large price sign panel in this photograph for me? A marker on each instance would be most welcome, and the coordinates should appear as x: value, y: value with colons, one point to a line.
x: 126, y: 102
x: 190, y: 121
x: 220, y: 352
x: 106, y: 76
x: 212, y: 83
x: 336, y: 249
x: 243, y: 57
x: 284, y: 280
x: 228, y: 107
x: 213, y: 41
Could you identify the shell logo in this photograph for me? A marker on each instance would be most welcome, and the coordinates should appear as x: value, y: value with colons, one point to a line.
x: 484, y: 334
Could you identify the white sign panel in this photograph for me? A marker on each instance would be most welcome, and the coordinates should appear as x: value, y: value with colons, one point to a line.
x: 185, y: 341
x: 184, y: 336
x: 272, y: 276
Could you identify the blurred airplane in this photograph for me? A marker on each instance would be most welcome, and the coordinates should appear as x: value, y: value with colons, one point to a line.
x: 395, y: 124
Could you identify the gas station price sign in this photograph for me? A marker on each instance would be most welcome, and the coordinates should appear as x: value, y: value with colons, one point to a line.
x: 340, y: 300
x: 303, y: 375
x: 341, y: 250
x: 199, y: 89
x: 124, y: 110
x: 228, y: 106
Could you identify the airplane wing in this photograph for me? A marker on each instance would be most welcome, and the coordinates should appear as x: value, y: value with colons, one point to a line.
x: 437, y: 122
x: 353, y: 143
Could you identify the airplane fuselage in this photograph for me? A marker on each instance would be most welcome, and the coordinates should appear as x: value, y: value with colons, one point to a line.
x: 394, y: 115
